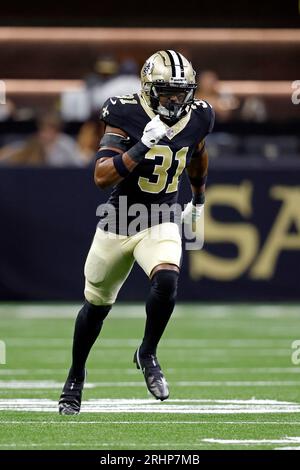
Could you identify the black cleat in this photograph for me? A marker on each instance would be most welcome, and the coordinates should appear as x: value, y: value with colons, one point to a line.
x: 70, y: 399
x: 154, y: 378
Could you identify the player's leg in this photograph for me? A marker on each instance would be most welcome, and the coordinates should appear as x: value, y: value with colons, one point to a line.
x: 106, y: 268
x: 88, y: 325
x: 159, y: 305
x: 159, y: 254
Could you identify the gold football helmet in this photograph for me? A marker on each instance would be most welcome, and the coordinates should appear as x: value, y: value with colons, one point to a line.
x: 168, y: 84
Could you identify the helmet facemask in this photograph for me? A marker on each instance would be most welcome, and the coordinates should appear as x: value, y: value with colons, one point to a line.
x: 171, y: 102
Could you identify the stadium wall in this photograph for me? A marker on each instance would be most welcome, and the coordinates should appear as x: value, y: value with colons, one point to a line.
x: 252, y: 232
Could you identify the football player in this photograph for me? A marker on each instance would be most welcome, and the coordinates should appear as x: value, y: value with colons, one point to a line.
x: 149, y: 139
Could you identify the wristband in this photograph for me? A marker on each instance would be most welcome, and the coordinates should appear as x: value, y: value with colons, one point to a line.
x: 120, y: 166
x: 198, y: 198
x: 138, y: 151
x: 198, y: 181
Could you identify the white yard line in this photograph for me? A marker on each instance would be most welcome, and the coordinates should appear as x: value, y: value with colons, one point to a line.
x: 34, y: 384
x: 74, y: 444
x: 60, y: 311
x: 63, y: 371
x: 126, y: 445
x: 287, y: 440
x: 187, y: 342
x: 151, y: 406
x: 49, y: 384
x: 242, y: 383
x: 287, y: 448
x: 41, y: 311
x: 169, y: 422
x: 131, y: 371
x: 202, y: 353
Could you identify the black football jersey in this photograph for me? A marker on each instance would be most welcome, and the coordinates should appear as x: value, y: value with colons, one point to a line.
x: 155, y: 180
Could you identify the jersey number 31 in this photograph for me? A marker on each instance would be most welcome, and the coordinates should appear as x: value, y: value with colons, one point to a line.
x: 161, y: 170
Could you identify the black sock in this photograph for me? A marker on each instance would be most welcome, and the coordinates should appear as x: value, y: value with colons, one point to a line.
x: 159, y: 307
x: 88, y: 325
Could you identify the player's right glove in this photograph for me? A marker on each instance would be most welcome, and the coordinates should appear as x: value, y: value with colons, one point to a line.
x: 154, y: 131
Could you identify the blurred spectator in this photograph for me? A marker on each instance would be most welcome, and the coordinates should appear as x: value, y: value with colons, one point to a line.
x: 78, y: 104
x: 49, y: 146
x: 88, y: 140
x: 75, y: 104
x: 126, y: 82
x: 253, y: 109
x: 105, y: 68
x: 7, y: 110
x: 224, y: 103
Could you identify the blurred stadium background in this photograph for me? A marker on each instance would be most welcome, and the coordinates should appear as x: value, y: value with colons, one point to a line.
x: 230, y: 339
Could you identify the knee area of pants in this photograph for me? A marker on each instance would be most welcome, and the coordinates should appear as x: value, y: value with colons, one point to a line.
x: 98, y: 311
x: 164, y: 283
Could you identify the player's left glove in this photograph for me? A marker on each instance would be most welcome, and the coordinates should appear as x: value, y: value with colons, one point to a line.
x: 192, y: 217
x: 191, y: 214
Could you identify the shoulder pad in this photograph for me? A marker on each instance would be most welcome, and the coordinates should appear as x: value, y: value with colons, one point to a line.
x: 205, y: 112
x: 115, y: 110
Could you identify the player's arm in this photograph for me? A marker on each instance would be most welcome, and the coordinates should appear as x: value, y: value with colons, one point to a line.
x: 113, y: 144
x: 115, y: 161
x: 197, y: 173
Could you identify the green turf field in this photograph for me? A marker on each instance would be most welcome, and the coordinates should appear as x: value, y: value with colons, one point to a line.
x: 232, y: 381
